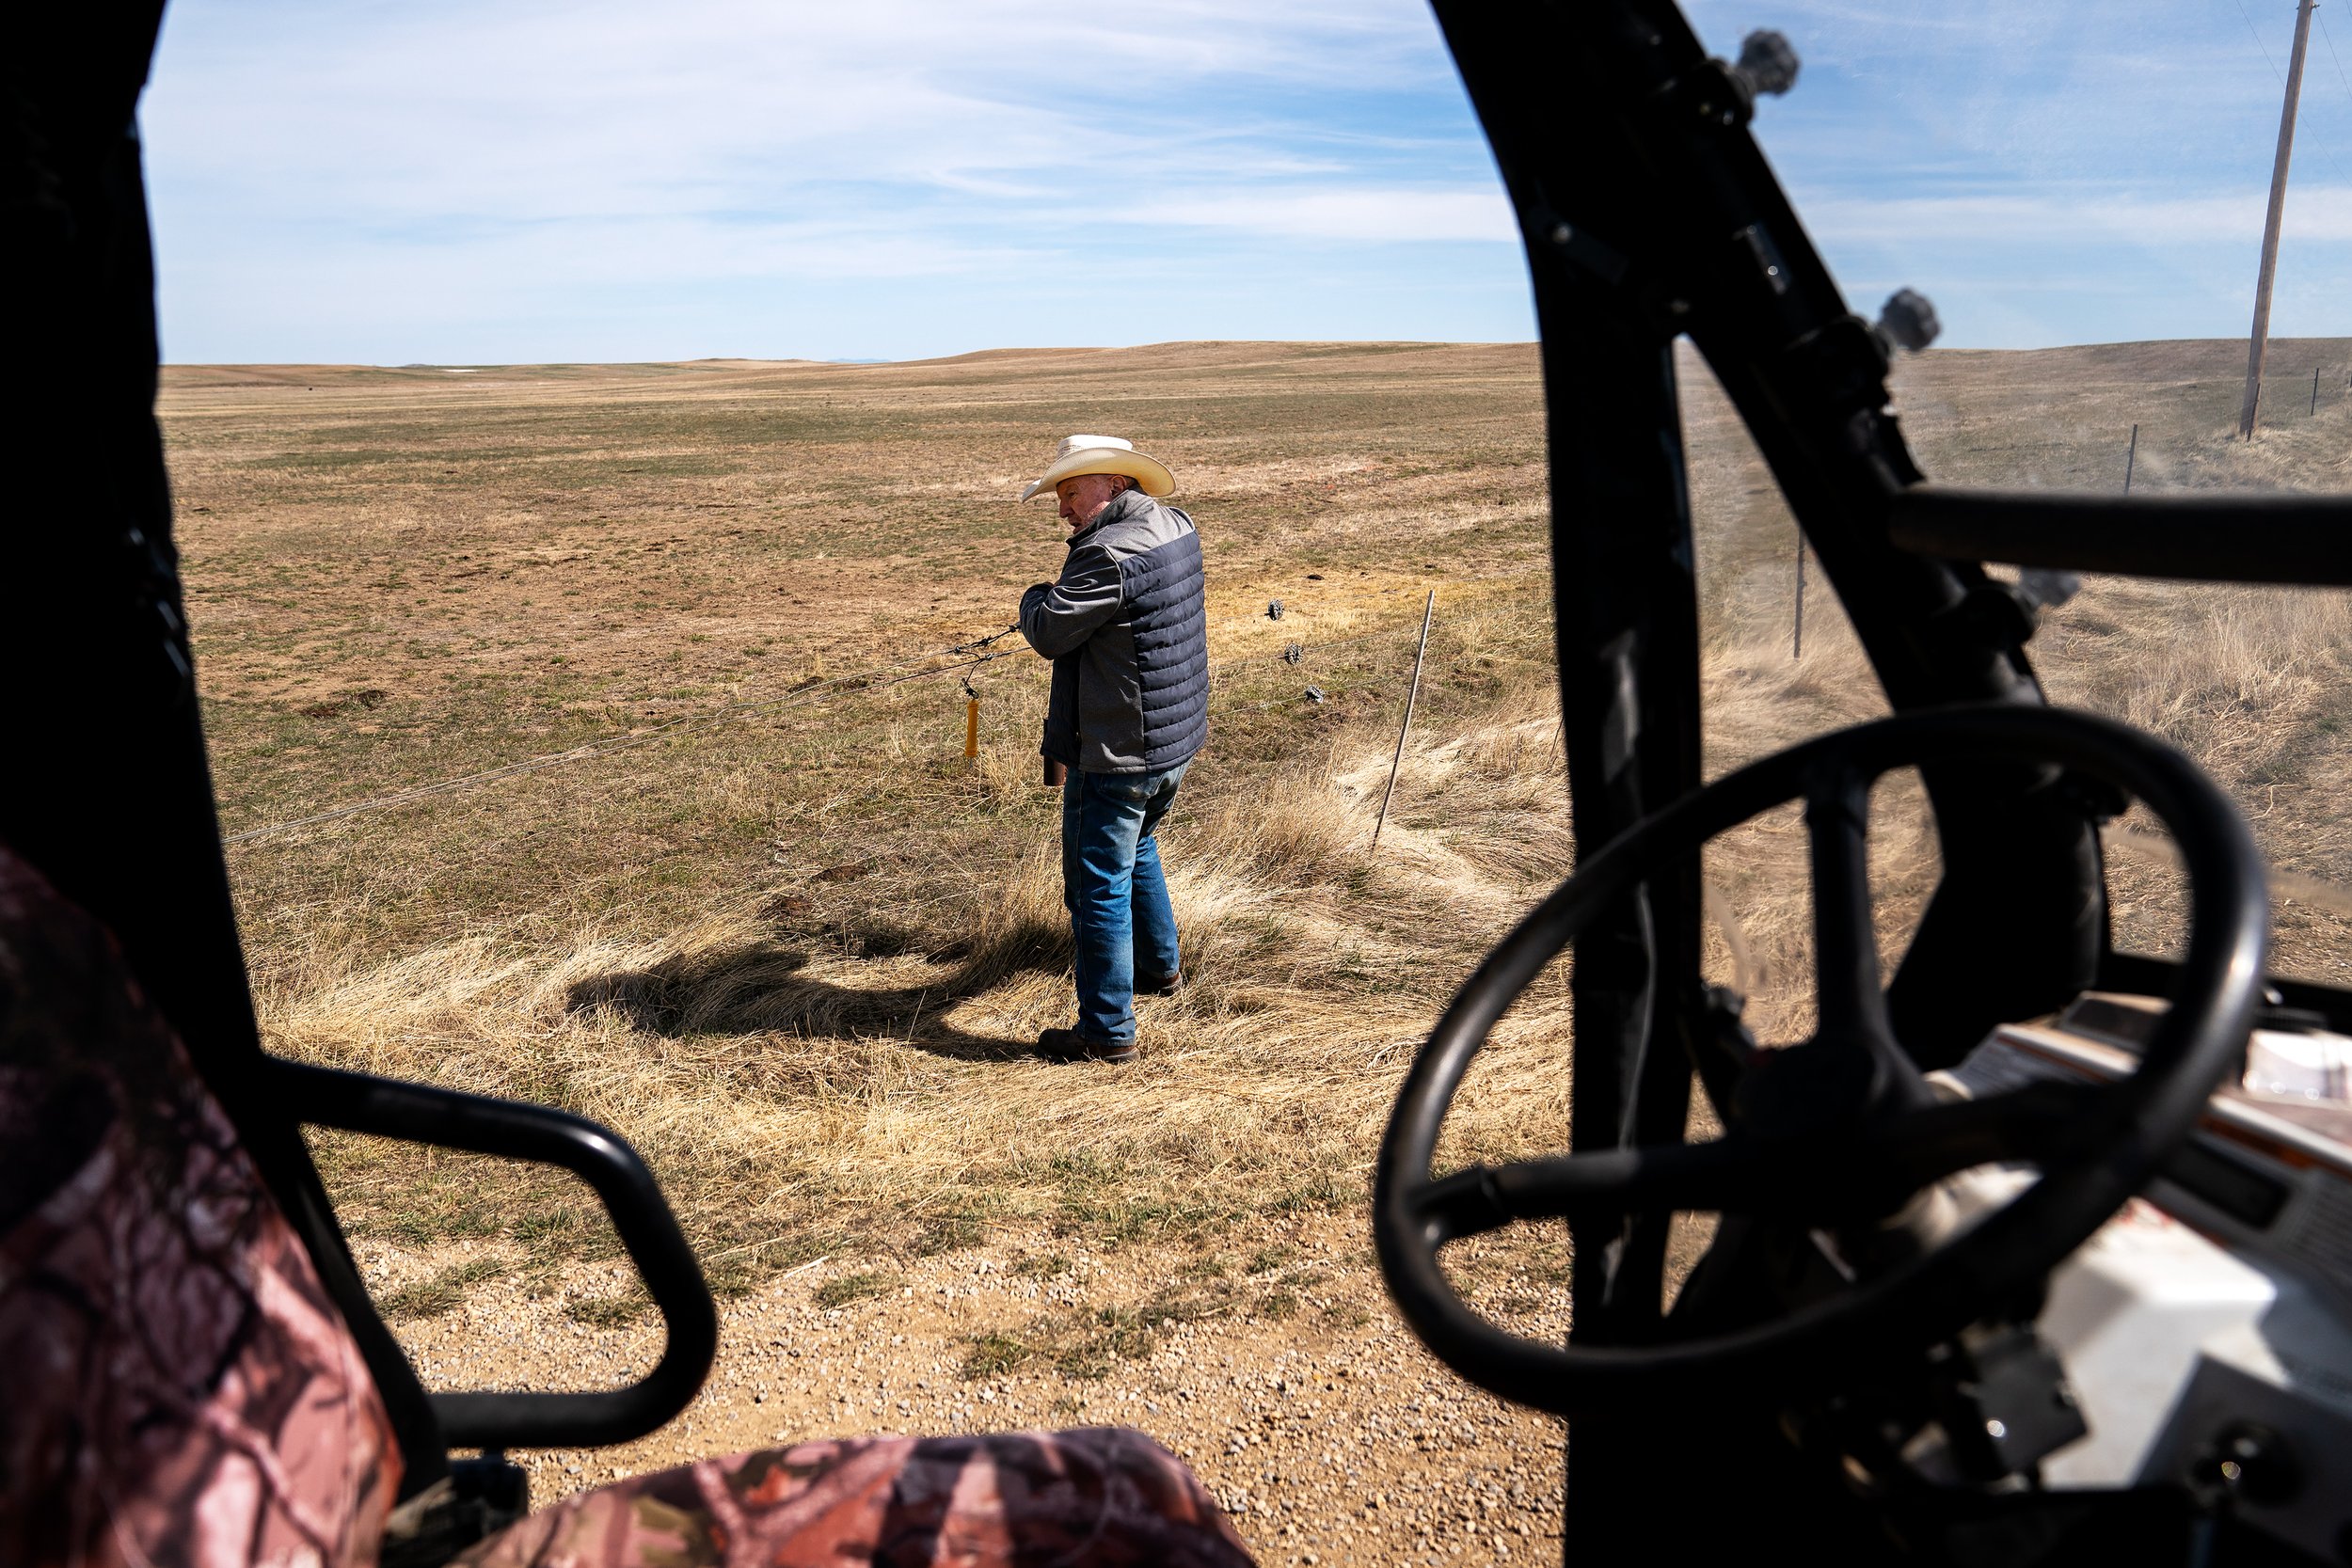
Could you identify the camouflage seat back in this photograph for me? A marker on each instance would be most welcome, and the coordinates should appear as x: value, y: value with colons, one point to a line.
x: 180, y: 1388
x: 182, y: 1391
x: 1105, y: 1496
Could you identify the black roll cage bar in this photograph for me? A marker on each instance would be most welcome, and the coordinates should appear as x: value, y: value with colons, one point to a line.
x: 1648, y: 212
x: 106, y: 788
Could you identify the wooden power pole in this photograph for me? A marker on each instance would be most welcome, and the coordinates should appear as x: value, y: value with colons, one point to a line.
x: 2271, y: 225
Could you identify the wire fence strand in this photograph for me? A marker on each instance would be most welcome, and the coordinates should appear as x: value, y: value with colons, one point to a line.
x: 855, y: 682
x: 861, y: 680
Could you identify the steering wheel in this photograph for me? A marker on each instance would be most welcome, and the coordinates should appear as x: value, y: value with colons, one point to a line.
x: 1842, y: 1131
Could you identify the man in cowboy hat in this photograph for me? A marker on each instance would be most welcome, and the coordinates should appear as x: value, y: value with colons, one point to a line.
x: 1128, y: 633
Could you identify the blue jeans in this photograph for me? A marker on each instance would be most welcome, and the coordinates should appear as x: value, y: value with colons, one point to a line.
x: 1111, y: 883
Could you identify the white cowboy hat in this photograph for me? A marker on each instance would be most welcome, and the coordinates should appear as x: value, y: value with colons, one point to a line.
x: 1103, y: 454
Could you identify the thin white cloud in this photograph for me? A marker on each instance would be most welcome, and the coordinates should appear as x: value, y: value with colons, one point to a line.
x: 2312, y: 212
x: 554, y: 109
x: 1354, y: 214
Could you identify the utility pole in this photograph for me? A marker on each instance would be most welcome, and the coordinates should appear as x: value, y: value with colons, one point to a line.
x: 2271, y: 225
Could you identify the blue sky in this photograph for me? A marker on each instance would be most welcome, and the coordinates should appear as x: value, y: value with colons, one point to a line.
x: 444, y: 183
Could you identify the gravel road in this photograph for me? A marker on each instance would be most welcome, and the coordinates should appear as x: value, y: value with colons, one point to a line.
x: 1319, y: 1422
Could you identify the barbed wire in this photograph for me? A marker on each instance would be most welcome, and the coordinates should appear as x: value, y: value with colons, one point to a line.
x: 862, y: 680
x: 979, y: 643
x: 855, y: 681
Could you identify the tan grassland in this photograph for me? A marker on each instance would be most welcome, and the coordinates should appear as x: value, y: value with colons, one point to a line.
x: 781, y: 939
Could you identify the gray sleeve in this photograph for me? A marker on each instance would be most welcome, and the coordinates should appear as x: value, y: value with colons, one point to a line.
x: 1056, y: 617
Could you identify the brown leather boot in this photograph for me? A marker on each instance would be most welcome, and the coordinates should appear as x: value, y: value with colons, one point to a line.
x: 1068, y: 1045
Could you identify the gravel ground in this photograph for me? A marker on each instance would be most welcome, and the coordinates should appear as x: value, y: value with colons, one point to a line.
x: 1316, y: 1419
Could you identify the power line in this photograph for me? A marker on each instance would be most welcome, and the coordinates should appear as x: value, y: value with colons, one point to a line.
x: 2326, y: 150
x: 2260, y: 44
x: 2322, y: 19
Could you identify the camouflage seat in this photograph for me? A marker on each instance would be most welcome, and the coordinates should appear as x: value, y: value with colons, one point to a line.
x: 181, y: 1389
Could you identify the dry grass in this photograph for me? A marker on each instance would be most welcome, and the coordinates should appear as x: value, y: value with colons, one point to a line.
x: 796, y: 956
x: 784, y: 1079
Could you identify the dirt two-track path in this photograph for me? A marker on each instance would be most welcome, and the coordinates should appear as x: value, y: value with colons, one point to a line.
x: 1326, y: 1432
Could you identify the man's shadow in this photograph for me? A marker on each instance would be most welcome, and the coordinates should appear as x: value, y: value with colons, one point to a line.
x: 762, y: 987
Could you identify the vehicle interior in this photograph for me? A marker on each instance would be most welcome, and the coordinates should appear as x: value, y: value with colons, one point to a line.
x: 2033, y: 1250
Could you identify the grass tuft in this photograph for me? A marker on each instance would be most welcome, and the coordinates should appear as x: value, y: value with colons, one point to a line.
x: 443, y: 1292
x: 610, y: 1311
x: 993, y: 1355
x: 947, y: 1233
x: 844, y: 1288
x: 1087, y: 1343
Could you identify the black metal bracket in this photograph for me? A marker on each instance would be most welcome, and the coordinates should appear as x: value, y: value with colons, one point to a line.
x: 2211, y: 536
x: 445, y: 1119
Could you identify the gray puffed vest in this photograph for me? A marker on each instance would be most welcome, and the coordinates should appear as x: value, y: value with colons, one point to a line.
x: 1128, y: 631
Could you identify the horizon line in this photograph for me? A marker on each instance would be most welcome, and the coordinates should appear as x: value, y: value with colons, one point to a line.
x: 1078, y: 348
